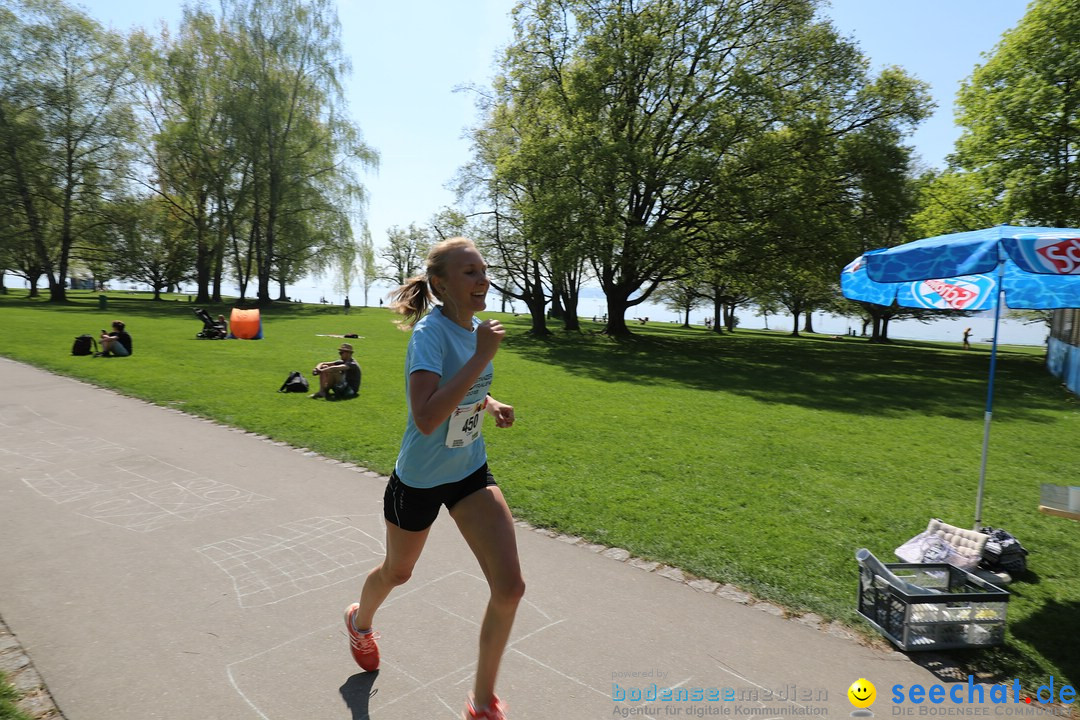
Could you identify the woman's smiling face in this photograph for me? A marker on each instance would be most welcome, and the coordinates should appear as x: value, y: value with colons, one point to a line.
x: 464, y: 288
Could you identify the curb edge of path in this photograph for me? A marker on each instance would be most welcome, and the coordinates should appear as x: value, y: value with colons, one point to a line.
x: 32, y: 696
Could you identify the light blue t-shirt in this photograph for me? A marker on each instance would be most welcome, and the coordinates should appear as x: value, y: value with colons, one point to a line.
x: 441, y: 346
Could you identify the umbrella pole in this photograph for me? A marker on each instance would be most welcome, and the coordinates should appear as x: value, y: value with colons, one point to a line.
x: 989, y: 398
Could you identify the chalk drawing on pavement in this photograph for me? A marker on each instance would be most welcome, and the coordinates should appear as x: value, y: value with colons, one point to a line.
x: 429, y: 632
x: 297, y: 557
x: 109, y: 482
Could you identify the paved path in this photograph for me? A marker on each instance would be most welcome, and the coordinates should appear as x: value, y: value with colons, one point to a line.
x: 155, y: 565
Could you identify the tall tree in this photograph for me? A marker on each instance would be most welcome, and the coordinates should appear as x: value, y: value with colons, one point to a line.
x: 65, y: 126
x: 681, y: 296
x: 630, y: 119
x: 185, y: 137
x: 369, y: 271
x: 346, y: 269
x: 150, y: 247
x: 287, y: 104
x: 1021, y: 117
x: 504, y: 183
x: 404, y: 253
x: 844, y: 187
x: 954, y: 201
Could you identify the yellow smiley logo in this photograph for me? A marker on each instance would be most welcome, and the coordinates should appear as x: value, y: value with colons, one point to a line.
x: 862, y: 693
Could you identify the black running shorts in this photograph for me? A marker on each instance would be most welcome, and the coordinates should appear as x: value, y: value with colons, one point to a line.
x: 415, y: 509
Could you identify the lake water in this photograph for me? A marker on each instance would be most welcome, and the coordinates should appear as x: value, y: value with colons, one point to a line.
x: 592, y: 304
x: 946, y: 329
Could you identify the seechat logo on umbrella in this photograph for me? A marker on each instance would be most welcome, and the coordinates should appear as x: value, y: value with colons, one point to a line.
x: 961, y: 293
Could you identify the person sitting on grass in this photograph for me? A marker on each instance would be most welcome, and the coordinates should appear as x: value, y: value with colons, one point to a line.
x: 338, y: 378
x: 116, y: 343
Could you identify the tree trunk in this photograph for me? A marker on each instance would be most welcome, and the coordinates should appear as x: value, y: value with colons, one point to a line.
x: 557, y: 310
x: 875, y: 333
x: 266, y: 258
x: 616, y: 325
x: 219, y: 263
x: 729, y: 317
x: 539, y: 319
x: 571, y: 322
x: 808, y: 326
x: 204, y: 255
x: 26, y: 199
x: 202, y: 274
x: 57, y: 292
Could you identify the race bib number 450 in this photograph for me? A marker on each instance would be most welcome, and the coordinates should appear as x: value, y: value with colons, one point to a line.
x: 466, y: 422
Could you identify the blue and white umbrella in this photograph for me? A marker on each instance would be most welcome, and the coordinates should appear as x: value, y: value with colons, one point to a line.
x: 1035, y: 268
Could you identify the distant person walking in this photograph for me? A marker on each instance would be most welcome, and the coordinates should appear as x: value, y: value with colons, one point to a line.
x: 443, y: 461
x: 967, y: 343
x: 347, y: 305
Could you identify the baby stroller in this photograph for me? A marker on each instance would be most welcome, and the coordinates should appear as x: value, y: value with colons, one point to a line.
x: 212, y: 329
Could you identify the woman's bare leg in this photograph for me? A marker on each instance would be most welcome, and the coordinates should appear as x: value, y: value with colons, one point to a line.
x: 403, y: 548
x: 488, y: 527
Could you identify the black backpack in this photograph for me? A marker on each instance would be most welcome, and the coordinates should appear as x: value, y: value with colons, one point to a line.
x: 1004, y: 552
x: 82, y: 345
x: 294, y: 383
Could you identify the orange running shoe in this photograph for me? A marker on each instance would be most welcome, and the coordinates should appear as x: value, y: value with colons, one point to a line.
x: 365, y: 651
x: 495, y: 711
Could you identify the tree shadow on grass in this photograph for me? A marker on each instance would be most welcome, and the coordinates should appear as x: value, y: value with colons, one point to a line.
x: 845, y: 375
x: 1046, y: 630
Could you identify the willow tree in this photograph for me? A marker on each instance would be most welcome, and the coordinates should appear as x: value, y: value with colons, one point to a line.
x: 65, y: 127
x: 369, y: 272
x: 185, y: 138
x: 287, y: 113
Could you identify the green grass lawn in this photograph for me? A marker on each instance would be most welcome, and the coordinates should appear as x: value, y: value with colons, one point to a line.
x: 755, y: 459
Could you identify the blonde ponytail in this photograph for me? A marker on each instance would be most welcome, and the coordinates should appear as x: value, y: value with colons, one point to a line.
x: 411, y: 300
x: 417, y: 295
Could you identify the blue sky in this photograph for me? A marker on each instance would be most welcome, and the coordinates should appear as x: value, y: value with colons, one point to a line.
x: 408, y: 57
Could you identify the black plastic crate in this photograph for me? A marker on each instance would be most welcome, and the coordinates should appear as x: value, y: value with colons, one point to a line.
x: 930, y: 606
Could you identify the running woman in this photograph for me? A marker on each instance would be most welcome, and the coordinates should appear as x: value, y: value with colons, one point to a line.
x: 442, y: 460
